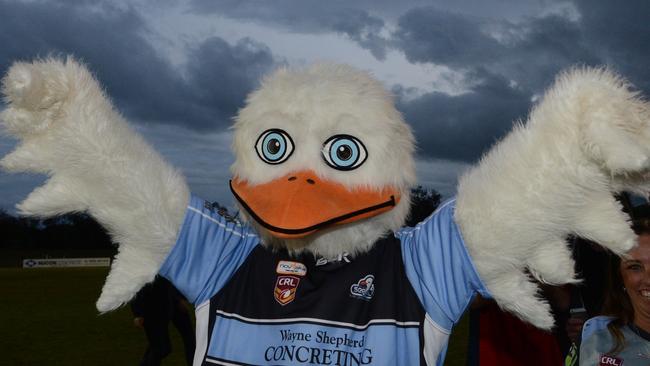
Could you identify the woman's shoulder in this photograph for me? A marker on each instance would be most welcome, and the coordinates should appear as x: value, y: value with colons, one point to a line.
x: 595, y: 325
x: 597, y: 322
x: 596, y: 340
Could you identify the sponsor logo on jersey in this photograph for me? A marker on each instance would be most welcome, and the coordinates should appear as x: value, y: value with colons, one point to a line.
x: 221, y: 211
x: 291, y: 268
x: 339, y: 259
x: 364, y: 288
x: 285, y: 289
x: 610, y: 361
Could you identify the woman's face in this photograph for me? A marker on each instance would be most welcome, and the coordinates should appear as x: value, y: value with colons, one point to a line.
x: 635, y: 272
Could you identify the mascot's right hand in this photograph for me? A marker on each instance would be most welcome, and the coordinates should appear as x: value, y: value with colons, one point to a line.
x: 96, y: 163
x: 37, y: 96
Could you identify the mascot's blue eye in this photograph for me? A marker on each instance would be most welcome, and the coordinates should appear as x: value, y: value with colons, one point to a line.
x: 274, y: 146
x: 344, y: 152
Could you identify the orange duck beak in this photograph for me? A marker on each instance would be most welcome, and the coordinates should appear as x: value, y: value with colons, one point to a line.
x: 299, y: 204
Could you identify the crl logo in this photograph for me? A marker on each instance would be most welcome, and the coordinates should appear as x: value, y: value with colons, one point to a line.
x: 285, y: 289
x: 610, y: 361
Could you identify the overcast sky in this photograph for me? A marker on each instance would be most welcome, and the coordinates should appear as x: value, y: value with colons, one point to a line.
x: 461, y: 71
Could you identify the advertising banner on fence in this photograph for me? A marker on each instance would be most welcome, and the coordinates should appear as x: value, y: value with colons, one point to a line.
x: 66, y: 262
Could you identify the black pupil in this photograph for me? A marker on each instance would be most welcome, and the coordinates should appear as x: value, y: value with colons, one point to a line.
x: 344, y: 152
x: 273, y: 146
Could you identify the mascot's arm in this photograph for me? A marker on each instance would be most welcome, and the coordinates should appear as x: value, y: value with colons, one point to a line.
x: 553, y: 176
x: 69, y: 130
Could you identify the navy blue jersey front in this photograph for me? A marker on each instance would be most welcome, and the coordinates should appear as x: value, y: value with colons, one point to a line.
x: 394, y: 305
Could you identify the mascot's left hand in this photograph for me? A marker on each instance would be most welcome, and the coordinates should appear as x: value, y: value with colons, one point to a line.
x: 553, y: 176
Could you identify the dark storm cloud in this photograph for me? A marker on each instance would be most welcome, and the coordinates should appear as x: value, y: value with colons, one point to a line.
x: 529, y: 52
x: 526, y: 54
x: 306, y: 16
x: 462, y: 127
x: 361, y: 28
x: 142, y: 82
x: 547, y: 45
x: 432, y: 35
x: 620, y: 33
x: 108, y: 40
x: 222, y: 75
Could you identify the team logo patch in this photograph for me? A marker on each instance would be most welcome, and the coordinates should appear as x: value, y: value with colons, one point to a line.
x: 364, y: 288
x: 285, y: 289
x: 291, y: 268
x: 610, y: 361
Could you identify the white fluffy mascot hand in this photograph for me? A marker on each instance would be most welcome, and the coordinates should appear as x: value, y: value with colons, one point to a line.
x: 69, y: 130
x: 323, y: 168
x: 555, y: 175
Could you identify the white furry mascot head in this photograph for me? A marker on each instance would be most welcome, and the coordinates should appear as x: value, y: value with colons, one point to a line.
x: 324, y: 162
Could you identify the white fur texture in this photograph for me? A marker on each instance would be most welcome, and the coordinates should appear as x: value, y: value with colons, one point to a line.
x: 588, y: 138
x: 96, y: 163
x: 312, y: 105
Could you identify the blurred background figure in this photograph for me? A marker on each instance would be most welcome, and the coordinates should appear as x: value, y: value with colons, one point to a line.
x: 499, y: 338
x: 622, y: 335
x: 586, y: 298
x: 154, y: 306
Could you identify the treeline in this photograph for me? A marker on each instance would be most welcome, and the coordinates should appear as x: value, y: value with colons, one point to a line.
x: 81, y: 231
x: 73, y: 231
x: 423, y: 202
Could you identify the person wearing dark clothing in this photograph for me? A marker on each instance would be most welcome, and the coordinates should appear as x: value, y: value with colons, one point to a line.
x: 586, y: 297
x: 500, y: 338
x: 154, y: 306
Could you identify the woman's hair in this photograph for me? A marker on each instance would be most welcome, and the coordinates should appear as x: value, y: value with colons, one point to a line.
x: 617, y: 303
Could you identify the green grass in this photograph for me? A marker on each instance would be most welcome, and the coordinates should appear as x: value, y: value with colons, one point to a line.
x: 48, y: 317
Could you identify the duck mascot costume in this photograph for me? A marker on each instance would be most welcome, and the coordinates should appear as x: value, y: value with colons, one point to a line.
x: 323, y: 272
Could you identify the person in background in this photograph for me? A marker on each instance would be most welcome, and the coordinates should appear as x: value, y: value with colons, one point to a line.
x: 499, y: 338
x: 154, y: 306
x: 622, y: 335
x: 586, y: 298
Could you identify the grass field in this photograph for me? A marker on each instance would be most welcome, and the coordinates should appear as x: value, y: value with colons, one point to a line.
x: 48, y: 317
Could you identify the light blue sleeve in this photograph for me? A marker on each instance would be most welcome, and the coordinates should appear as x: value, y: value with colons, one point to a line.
x: 439, y: 268
x: 596, y: 341
x: 208, y: 251
x: 594, y: 325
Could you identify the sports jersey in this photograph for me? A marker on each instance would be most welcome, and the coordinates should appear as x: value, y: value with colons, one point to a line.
x: 394, y: 305
x: 597, y: 341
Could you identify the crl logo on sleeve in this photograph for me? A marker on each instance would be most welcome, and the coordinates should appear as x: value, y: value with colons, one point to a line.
x: 610, y: 361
